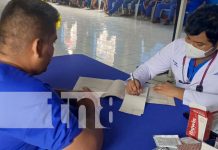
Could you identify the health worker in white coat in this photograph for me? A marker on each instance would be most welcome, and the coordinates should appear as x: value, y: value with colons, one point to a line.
x: 193, y: 61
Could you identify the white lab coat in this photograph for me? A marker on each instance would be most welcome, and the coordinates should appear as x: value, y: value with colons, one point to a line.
x: 171, y: 57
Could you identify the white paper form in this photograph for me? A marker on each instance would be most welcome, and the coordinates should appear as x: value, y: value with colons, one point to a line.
x: 134, y: 104
x: 131, y: 104
x: 96, y: 85
x: 107, y: 87
x: 156, y: 98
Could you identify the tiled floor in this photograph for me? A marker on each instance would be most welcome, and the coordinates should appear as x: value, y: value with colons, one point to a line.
x: 123, y: 43
x: 120, y: 42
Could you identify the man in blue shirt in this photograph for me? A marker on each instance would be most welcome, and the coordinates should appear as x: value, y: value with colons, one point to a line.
x: 30, y: 110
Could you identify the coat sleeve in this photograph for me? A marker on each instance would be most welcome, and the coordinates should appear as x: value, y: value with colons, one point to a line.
x: 208, y: 100
x: 159, y: 63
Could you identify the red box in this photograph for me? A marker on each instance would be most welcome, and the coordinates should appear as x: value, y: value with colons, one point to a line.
x: 199, y: 123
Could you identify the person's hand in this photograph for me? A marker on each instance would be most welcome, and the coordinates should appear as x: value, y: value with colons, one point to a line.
x: 86, y: 89
x: 133, y: 87
x: 169, y: 90
x: 89, y: 94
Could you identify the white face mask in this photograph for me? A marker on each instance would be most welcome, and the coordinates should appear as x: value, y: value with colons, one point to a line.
x: 193, y: 52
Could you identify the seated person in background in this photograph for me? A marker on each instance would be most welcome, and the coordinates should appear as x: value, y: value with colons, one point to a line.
x: 129, y: 2
x: 144, y: 6
x: 192, y: 5
x: 108, y: 4
x: 105, y: 6
x: 193, y: 61
x: 76, y: 3
x: 27, y: 35
x: 64, y: 2
x: 113, y: 6
x: 168, y: 4
x: 73, y: 3
x: 170, y: 15
x: 132, y: 6
x: 94, y: 4
x: 147, y: 9
x: 88, y: 3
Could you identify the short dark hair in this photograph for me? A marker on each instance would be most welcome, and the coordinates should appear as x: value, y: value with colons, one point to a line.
x: 204, y: 19
x: 24, y: 20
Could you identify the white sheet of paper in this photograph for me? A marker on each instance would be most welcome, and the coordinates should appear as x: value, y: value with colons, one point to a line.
x: 96, y: 85
x: 156, y: 98
x: 134, y: 104
x: 108, y: 87
x: 117, y: 88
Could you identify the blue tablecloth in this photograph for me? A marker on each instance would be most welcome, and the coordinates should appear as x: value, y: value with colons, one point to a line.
x: 126, y: 132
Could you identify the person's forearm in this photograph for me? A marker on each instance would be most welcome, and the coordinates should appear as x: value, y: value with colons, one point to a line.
x: 98, y: 134
x: 87, y: 140
x: 180, y: 93
x: 91, y: 138
x: 90, y: 112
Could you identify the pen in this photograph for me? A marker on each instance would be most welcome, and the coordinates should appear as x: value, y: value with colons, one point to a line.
x: 133, y: 79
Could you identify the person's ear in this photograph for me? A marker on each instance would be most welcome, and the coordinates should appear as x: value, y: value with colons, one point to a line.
x: 37, y: 48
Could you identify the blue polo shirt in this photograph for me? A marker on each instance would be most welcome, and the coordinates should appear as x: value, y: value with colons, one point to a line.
x: 212, y: 2
x: 34, y: 123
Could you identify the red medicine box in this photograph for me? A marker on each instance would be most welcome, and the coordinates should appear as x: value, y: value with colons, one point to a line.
x: 199, y: 123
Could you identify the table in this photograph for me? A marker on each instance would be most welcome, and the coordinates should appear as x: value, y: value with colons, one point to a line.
x: 126, y: 132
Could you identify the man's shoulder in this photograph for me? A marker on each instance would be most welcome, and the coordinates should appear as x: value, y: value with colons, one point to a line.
x: 178, y: 45
x: 179, y: 41
x: 13, y: 79
x: 175, y: 46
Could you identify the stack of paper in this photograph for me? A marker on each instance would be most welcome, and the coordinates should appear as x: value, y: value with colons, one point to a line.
x: 131, y: 104
x: 189, y: 143
x: 167, y: 141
